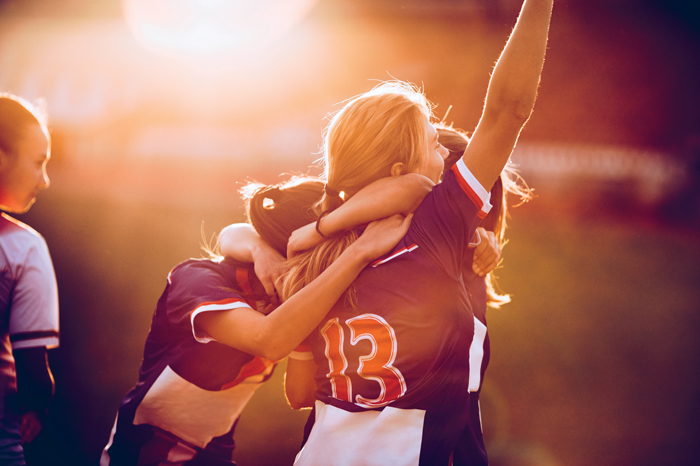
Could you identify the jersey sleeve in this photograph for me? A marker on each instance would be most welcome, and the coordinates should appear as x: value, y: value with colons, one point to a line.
x: 34, y: 313
x: 444, y: 223
x: 302, y: 352
x: 194, y: 289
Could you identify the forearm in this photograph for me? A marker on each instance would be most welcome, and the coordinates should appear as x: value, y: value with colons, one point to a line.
x: 275, y: 336
x: 299, y: 383
x: 35, y: 383
x: 287, y: 326
x: 515, y: 78
x: 380, y: 199
x: 511, y: 94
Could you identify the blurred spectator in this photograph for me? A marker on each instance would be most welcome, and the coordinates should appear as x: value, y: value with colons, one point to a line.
x: 28, y: 291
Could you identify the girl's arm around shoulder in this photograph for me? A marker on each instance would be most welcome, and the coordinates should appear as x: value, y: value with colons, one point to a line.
x: 380, y: 199
x: 241, y: 242
x: 275, y: 335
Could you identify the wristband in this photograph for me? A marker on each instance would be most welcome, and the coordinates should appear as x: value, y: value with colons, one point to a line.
x: 318, y: 223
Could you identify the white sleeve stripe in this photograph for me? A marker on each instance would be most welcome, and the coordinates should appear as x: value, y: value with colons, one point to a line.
x: 483, y: 196
x: 301, y: 355
x: 395, y: 255
x: 209, y: 308
x: 48, y: 342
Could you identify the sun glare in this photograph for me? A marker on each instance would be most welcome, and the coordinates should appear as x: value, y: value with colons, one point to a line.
x: 212, y: 28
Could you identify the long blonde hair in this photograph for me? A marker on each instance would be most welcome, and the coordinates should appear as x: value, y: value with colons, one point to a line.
x: 510, y: 182
x: 363, y: 141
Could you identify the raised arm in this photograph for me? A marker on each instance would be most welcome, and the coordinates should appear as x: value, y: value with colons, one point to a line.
x: 511, y: 93
x: 380, y: 199
x: 274, y: 336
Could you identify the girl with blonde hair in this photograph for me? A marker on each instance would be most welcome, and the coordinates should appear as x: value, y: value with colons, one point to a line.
x: 399, y: 359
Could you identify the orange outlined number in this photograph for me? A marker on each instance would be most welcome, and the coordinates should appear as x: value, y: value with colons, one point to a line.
x: 337, y: 363
x: 378, y: 365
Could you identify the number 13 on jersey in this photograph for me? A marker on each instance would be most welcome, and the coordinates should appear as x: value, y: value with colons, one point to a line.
x: 378, y: 365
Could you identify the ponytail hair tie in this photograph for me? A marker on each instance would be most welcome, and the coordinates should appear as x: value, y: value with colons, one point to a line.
x: 331, y: 192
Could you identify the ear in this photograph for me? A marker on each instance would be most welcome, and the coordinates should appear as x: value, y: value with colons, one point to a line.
x: 397, y: 169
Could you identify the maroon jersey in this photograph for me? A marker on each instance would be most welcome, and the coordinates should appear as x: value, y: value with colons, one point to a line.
x: 397, y: 373
x: 191, y: 389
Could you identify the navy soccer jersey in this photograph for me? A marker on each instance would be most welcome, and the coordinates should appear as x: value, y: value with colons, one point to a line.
x: 395, y: 375
x: 470, y: 449
x: 191, y: 389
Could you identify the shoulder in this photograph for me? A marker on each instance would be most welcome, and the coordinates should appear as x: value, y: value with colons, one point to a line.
x: 12, y: 229
x: 20, y: 244
x: 213, y: 273
x: 196, y: 268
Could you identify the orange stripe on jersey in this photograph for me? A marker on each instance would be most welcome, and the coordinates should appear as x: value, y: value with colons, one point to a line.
x: 243, y: 280
x: 255, y: 367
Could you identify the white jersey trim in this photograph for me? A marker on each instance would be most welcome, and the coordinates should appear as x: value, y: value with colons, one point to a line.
x: 370, y: 438
x: 472, y: 188
x: 301, y: 355
x: 210, y: 307
x: 189, y: 412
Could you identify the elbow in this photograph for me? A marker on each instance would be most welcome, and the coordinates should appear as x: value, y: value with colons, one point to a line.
x: 420, y: 183
x: 272, y: 349
x: 416, y: 188
x: 515, y: 107
x: 513, y: 113
x: 267, y: 344
x: 520, y: 111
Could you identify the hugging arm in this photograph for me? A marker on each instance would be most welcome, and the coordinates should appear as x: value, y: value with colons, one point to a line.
x: 511, y: 94
x: 240, y: 241
x: 275, y: 335
x: 380, y: 199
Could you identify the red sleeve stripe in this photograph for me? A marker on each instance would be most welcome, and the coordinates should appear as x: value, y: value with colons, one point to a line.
x: 396, y: 254
x: 472, y: 188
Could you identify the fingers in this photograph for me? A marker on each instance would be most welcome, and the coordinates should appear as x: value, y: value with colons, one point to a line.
x: 303, y: 238
x: 486, y: 254
x: 30, y: 427
x: 269, y: 287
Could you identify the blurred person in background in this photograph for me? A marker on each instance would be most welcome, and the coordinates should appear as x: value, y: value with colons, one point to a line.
x: 28, y: 291
x: 216, y: 336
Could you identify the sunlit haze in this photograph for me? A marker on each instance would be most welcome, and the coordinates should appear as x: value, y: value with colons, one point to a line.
x: 212, y: 28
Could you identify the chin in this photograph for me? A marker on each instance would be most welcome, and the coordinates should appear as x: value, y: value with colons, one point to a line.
x: 26, y: 208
